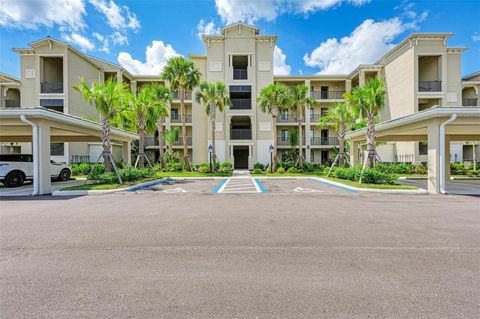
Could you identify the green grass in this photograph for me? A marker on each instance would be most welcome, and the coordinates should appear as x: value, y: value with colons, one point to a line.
x: 375, y: 186
x: 305, y: 174
x: 190, y: 174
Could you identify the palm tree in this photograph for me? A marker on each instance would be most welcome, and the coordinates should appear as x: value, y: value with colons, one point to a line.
x: 146, y: 110
x: 300, y: 101
x: 109, y: 100
x: 213, y: 96
x: 341, y: 118
x: 163, y: 96
x: 182, y: 75
x: 171, y: 137
x: 367, y: 101
x: 273, y: 99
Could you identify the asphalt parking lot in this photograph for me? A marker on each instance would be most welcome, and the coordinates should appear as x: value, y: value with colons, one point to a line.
x: 281, y: 253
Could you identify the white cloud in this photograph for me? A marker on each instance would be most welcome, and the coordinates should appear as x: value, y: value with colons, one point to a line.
x: 252, y: 10
x: 204, y: 27
x: 118, y: 18
x: 80, y: 41
x: 119, y: 38
x: 366, y: 44
x: 21, y: 14
x: 280, y: 66
x: 476, y: 37
x: 105, y: 47
x: 157, y: 54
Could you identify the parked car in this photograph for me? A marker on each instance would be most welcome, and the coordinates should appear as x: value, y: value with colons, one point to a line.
x: 18, y: 168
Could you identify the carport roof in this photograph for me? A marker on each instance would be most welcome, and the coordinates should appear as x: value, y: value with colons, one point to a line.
x: 413, y: 126
x: 10, y: 118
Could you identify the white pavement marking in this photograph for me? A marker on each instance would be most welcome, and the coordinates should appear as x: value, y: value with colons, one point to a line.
x: 175, y: 190
x: 306, y: 190
x: 240, y: 185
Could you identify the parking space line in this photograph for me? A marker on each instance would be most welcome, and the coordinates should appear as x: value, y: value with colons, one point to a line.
x: 334, y: 185
x: 221, y: 186
x: 259, y: 186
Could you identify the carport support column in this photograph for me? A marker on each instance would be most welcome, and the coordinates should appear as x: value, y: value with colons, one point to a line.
x: 354, y: 153
x: 44, y: 178
x: 447, y: 158
x: 433, y: 182
x: 127, y: 153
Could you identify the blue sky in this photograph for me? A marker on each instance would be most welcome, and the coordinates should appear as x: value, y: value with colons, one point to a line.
x: 315, y: 36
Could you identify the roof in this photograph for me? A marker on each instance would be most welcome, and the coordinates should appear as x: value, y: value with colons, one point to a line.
x: 239, y: 24
x: 115, y: 65
x: 10, y: 78
x: 59, y: 117
x: 466, y: 78
x: 433, y: 112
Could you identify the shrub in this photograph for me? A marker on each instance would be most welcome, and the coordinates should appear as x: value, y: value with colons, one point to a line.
x: 370, y: 175
x: 259, y: 166
x: 225, y: 167
x: 204, y: 168
x: 292, y: 170
x: 171, y: 157
x: 257, y: 171
x: 281, y: 170
x: 132, y: 174
x: 419, y: 169
x: 174, y: 167
x: 458, y: 169
x: 86, y: 168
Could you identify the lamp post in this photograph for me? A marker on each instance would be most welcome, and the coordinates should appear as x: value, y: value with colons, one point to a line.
x: 210, y: 149
x: 271, y: 157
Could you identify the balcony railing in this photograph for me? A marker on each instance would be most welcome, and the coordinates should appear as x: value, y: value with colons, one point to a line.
x: 240, y: 74
x: 315, y: 117
x: 323, y: 140
x: 327, y: 95
x: 179, y: 142
x: 241, y: 104
x: 429, y: 86
x: 188, y: 96
x: 51, y: 87
x: 285, y: 141
x: 287, y: 118
x: 12, y: 103
x: 469, y: 102
x: 240, y: 134
x: 177, y: 119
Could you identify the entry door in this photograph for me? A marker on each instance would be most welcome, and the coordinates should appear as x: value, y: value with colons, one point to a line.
x: 324, y: 92
x: 240, y: 155
x: 324, y: 135
x: 324, y: 157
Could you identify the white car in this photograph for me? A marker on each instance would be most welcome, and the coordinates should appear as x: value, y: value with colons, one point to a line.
x: 17, y: 168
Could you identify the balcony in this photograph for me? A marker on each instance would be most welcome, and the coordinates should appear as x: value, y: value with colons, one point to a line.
x: 51, y: 87
x: 469, y: 102
x: 324, y: 141
x: 176, y: 119
x: 241, y: 104
x: 240, y: 134
x: 188, y: 96
x: 429, y: 86
x: 285, y: 141
x: 240, y: 74
x: 315, y: 117
x: 179, y: 142
x: 286, y: 118
x: 327, y: 95
x: 12, y: 103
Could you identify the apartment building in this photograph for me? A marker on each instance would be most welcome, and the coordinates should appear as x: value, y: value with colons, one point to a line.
x: 420, y: 72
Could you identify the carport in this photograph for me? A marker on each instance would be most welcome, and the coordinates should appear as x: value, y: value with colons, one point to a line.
x: 41, y: 126
x: 438, y: 126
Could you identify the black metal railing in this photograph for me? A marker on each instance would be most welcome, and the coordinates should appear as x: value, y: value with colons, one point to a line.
x: 469, y: 102
x: 179, y: 142
x: 315, y: 117
x: 285, y: 141
x: 51, y: 87
x: 188, y: 96
x: 177, y: 119
x: 286, y: 118
x: 327, y: 95
x: 323, y: 140
x: 429, y: 86
x: 240, y: 134
x: 240, y: 74
x: 12, y: 103
x: 241, y: 104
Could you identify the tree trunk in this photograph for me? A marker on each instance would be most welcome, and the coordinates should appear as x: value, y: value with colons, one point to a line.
x: 106, y: 145
x: 181, y: 91
x: 214, y: 154
x: 370, y: 140
x: 341, y: 145
x: 300, y: 153
x: 160, y: 141
x: 274, y: 154
x: 141, y: 142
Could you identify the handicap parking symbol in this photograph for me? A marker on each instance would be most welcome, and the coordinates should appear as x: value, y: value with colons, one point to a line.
x: 175, y: 190
x: 306, y: 190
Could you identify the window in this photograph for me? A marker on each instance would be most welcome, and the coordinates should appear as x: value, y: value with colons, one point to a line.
x: 240, y: 65
x: 312, y: 157
x: 240, y: 97
x: 323, y: 111
x: 52, y: 104
x: 284, y: 135
x: 312, y: 114
x: 312, y: 133
x: 422, y: 148
x: 57, y: 149
x: 174, y: 114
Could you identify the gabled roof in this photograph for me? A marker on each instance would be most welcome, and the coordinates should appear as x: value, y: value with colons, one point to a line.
x: 115, y: 65
x: 7, y: 78
x: 239, y: 24
x: 468, y: 77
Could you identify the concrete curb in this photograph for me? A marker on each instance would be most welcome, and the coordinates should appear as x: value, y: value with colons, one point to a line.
x: 109, y: 191
x: 419, y: 191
